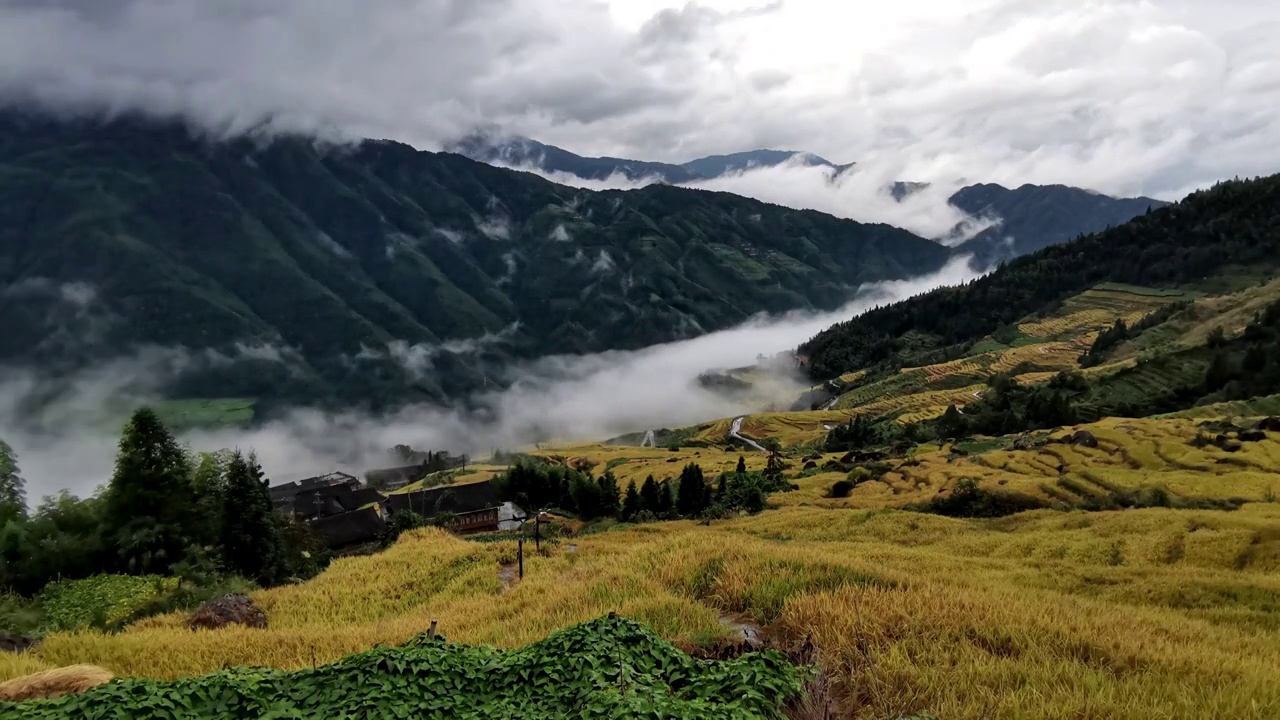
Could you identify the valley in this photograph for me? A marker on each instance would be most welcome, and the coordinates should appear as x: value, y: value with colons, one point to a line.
x: 1064, y: 516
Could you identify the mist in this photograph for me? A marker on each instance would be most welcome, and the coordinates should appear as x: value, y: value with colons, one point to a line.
x: 71, y: 443
x: 863, y: 193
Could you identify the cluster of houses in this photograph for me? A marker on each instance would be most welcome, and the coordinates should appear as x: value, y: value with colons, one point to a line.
x: 344, y: 512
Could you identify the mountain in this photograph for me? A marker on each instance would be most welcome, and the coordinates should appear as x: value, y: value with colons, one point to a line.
x: 526, y: 153
x: 375, y: 273
x: 1234, y: 225
x: 1023, y: 220
x: 1033, y: 217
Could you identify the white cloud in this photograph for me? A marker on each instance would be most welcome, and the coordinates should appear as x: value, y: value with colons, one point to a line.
x: 1122, y: 96
x: 72, y: 446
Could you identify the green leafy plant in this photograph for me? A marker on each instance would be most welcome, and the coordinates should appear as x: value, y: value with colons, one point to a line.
x: 609, y: 667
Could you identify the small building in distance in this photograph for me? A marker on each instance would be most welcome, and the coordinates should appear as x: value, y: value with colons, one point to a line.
x: 421, y: 465
x: 475, y: 505
x: 282, y: 496
x: 357, y: 527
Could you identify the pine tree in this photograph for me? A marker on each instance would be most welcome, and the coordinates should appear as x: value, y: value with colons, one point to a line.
x: 251, y: 543
x: 691, y: 498
x: 609, y: 500
x: 13, y: 496
x: 720, y: 488
x: 650, y: 498
x: 631, y: 503
x: 742, y: 465
x: 149, y: 501
x: 666, y: 503
x: 953, y: 425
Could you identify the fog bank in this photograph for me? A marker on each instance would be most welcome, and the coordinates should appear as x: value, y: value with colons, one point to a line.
x: 71, y: 443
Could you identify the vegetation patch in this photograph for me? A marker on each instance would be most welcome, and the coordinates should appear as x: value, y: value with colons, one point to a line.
x: 609, y: 667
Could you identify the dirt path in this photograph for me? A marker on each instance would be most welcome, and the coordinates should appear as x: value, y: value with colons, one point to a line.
x: 752, y: 634
x: 508, y: 574
x: 734, y: 433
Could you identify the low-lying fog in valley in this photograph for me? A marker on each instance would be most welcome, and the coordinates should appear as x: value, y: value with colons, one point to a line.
x: 70, y: 445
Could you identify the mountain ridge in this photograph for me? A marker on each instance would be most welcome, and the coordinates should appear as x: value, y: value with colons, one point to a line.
x: 1022, y: 219
x: 336, y: 253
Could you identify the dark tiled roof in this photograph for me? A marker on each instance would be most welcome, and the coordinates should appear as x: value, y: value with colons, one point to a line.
x: 349, y: 528
x: 332, y: 500
x: 450, y: 498
x: 396, y: 477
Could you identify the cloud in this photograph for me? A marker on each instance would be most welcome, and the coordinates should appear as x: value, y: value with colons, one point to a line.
x: 863, y: 193
x: 559, y: 233
x: 418, y: 360
x: 77, y: 294
x: 1121, y: 96
x: 71, y: 443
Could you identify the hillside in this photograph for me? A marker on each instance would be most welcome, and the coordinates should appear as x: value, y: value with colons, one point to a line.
x: 1236, y: 224
x: 304, y: 263
x: 1029, y: 217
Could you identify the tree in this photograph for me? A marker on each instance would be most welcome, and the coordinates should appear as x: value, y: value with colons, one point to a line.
x: 13, y: 496
x: 149, y: 502
x: 666, y: 503
x: 953, y: 425
x: 631, y: 503
x: 692, y: 495
x: 251, y: 543
x: 650, y: 498
x: 609, y: 500
x: 208, y: 484
x: 742, y: 465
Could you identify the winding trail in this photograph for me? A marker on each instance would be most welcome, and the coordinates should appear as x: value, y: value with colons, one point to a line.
x: 734, y: 433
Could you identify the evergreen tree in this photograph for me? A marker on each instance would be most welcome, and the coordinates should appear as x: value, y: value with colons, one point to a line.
x: 953, y: 424
x: 742, y: 465
x: 13, y: 496
x: 251, y: 543
x: 691, y: 497
x: 666, y: 503
x: 720, y: 489
x: 208, y: 485
x: 650, y: 498
x: 149, y: 502
x: 609, y: 499
x: 1218, y: 374
x: 631, y: 503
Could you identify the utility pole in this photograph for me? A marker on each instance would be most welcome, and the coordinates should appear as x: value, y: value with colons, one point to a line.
x: 520, y: 555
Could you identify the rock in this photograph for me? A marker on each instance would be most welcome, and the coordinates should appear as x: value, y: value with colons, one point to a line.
x: 1271, y: 424
x: 810, y: 465
x: 228, y: 610
x: 1083, y: 438
x: 848, y: 458
x: 1252, y: 436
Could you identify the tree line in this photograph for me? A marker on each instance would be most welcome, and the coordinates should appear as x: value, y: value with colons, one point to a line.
x: 165, y: 510
x: 537, y: 485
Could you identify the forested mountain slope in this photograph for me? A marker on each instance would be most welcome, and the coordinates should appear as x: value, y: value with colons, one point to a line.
x: 1028, y: 218
x: 1234, y: 224
x: 119, y: 234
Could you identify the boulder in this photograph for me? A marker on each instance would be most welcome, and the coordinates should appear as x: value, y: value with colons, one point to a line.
x: 1252, y: 436
x: 810, y: 465
x: 1083, y: 438
x: 228, y: 610
x: 1271, y: 424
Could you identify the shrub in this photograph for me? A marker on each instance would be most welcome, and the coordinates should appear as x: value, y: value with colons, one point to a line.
x: 842, y: 488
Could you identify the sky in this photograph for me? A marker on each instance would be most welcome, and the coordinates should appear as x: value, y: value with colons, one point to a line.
x: 1127, y: 97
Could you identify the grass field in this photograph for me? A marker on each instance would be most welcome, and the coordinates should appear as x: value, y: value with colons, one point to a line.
x: 206, y: 414
x: 1140, y: 613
